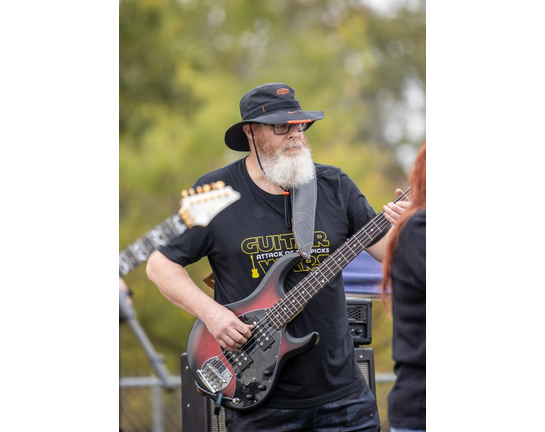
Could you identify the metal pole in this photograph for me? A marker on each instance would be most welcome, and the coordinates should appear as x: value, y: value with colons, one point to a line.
x: 157, y: 407
x: 128, y: 314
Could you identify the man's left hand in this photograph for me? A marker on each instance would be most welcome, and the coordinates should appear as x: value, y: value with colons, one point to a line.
x: 392, y: 212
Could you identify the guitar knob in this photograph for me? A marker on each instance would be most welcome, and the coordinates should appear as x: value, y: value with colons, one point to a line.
x: 267, y: 372
x: 249, y: 397
x: 261, y: 387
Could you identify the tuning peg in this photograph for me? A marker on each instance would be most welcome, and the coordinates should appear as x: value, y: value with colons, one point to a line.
x: 218, y: 185
x: 184, y: 194
x: 206, y: 188
x: 185, y: 218
x: 199, y: 189
x: 191, y: 191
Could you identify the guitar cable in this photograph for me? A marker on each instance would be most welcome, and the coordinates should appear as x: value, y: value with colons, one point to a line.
x: 218, y: 401
x: 215, y: 397
x: 217, y: 406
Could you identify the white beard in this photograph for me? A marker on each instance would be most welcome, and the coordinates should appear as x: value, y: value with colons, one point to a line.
x: 285, y: 170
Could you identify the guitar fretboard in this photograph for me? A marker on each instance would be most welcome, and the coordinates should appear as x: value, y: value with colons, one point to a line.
x: 139, y: 251
x: 298, y: 297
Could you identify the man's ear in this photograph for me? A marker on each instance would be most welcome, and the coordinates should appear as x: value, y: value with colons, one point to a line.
x: 246, y: 129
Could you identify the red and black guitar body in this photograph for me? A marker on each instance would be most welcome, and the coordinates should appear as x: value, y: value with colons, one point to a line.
x: 242, y: 380
x: 246, y: 377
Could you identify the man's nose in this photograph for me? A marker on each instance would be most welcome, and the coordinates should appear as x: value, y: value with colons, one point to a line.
x: 293, y: 130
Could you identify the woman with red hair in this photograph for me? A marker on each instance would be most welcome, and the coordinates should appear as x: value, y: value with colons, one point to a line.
x: 404, y: 286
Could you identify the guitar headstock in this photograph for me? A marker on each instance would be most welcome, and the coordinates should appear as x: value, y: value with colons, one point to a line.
x: 199, y: 206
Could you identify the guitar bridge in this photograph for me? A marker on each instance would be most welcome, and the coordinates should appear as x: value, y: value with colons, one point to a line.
x: 215, y: 375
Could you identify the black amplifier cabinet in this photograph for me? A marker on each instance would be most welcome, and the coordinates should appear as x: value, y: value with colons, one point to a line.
x: 198, y: 411
x: 359, y: 320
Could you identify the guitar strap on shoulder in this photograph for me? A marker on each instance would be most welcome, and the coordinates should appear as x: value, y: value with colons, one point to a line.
x: 303, y: 202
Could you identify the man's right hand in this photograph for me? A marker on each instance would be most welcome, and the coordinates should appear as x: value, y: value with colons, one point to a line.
x: 228, y: 330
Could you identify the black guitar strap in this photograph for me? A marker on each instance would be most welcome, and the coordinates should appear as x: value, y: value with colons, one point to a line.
x: 303, y: 202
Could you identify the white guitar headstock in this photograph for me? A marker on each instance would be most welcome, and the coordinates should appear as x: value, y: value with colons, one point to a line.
x: 198, y: 207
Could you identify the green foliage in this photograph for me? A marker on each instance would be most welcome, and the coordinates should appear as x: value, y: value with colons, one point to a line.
x: 184, y: 65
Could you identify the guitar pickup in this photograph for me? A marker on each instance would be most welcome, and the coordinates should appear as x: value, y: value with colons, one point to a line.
x: 261, y: 336
x: 241, y: 360
x: 264, y: 339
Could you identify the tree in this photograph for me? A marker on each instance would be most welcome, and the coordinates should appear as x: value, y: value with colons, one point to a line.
x: 185, y: 64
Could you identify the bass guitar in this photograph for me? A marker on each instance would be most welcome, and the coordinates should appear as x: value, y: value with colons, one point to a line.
x: 242, y: 380
x: 197, y: 208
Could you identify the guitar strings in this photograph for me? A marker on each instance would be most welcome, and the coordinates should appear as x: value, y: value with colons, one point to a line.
x: 272, y: 316
x: 252, y: 342
x: 249, y: 346
x: 381, y: 224
x: 345, y: 254
x: 336, y: 257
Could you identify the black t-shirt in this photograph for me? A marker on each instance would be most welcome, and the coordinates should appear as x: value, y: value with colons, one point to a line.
x: 407, y: 399
x: 244, y: 241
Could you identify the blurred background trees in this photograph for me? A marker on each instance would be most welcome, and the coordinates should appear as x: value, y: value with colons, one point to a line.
x: 185, y: 64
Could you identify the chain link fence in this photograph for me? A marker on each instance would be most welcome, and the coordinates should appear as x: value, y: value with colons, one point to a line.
x: 146, y: 406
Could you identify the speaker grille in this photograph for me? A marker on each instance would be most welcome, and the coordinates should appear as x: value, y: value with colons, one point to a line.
x: 357, y: 314
x: 364, y: 368
x: 212, y: 418
x: 366, y: 364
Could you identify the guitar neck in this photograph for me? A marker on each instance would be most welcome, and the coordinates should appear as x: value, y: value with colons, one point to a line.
x: 139, y: 251
x: 197, y: 208
x: 297, y: 298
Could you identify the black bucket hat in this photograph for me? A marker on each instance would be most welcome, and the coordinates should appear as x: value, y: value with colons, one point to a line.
x: 272, y: 103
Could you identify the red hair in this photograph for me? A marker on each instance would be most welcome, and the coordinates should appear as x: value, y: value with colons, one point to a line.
x: 418, y: 201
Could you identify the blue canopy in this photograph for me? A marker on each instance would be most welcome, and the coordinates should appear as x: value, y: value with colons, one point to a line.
x: 363, y: 275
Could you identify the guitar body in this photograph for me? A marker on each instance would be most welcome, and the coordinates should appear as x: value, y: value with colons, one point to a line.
x: 247, y: 377
x: 244, y: 379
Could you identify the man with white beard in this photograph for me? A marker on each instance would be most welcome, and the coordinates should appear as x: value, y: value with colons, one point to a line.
x: 288, y: 165
x: 321, y: 388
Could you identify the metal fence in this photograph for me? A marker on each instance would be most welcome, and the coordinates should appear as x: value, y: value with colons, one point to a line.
x: 146, y: 406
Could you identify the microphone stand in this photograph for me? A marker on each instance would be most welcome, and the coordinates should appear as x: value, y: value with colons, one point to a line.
x: 128, y: 314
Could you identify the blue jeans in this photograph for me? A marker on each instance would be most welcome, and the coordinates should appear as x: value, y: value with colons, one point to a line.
x: 392, y: 429
x: 356, y: 413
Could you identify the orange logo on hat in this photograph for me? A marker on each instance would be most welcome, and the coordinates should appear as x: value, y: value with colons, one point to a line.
x: 282, y: 91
